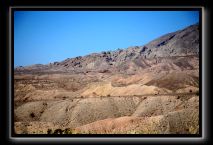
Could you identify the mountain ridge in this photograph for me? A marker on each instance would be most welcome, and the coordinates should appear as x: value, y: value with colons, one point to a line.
x: 183, y: 42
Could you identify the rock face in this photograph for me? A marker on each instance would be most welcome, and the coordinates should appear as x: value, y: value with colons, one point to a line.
x: 180, y: 43
x: 150, y: 89
x: 183, y: 42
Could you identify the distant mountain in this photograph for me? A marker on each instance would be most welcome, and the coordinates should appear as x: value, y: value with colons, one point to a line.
x: 180, y: 43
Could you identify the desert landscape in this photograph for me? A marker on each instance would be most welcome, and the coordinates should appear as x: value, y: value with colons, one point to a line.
x: 149, y: 89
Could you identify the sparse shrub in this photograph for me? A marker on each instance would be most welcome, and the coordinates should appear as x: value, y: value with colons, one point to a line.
x: 49, y: 131
x: 32, y: 115
x: 108, y: 95
x: 44, y: 103
x: 67, y: 131
x: 104, y: 71
x: 190, y: 91
x: 58, y: 131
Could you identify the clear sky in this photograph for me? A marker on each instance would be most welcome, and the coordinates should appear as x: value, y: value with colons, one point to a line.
x: 41, y: 37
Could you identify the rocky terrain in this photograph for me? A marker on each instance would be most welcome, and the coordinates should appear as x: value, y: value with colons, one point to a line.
x: 150, y: 89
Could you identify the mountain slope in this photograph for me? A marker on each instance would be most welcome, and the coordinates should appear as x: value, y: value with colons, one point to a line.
x: 180, y: 43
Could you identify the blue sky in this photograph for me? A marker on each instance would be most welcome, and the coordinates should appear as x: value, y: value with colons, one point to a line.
x: 41, y: 37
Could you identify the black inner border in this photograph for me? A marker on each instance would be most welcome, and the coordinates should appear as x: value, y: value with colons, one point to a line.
x: 105, y: 8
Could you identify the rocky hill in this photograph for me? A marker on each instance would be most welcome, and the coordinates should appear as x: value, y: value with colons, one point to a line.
x: 180, y: 43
